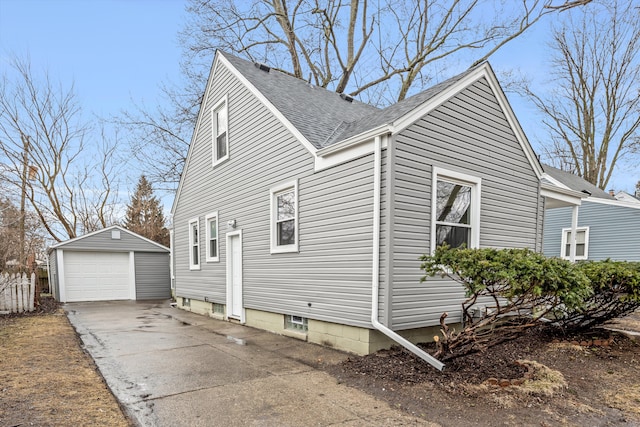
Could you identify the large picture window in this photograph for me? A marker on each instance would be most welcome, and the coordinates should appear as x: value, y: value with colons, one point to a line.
x: 582, y: 243
x: 455, y: 217
x: 194, y: 244
x: 211, y: 221
x: 220, y: 126
x: 284, y: 218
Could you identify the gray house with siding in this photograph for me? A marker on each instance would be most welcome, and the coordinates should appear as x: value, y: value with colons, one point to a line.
x: 109, y: 264
x: 304, y: 212
x: 606, y: 227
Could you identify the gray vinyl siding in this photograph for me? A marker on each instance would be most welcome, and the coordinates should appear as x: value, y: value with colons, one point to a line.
x: 614, y: 231
x: 467, y: 134
x: 152, y: 275
x: 330, y: 278
x: 102, y: 241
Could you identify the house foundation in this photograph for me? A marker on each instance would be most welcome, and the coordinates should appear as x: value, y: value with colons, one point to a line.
x: 352, y: 339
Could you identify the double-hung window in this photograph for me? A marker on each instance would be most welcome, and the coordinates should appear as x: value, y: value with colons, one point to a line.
x: 284, y: 217
x: 220, y: 126
x: 582, y: 243
x: 211, y: 222
x: 455, y: 209
x: 194, y: 244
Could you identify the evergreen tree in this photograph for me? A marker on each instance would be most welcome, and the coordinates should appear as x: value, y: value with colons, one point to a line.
x: 144, y: 214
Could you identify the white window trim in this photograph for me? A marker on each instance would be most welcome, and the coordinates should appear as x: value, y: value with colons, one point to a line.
x: 564, y: 243
x: 463, y: 179
x: 222, y: 103
x: 193, y: 266
x: 209, y: 258
x: 275, y: 249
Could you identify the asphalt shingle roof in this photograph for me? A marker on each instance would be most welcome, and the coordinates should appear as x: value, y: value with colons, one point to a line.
x: 576, y: 183
x: 323, y: 116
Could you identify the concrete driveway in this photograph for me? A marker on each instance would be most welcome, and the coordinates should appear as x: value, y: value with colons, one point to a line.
x: 169, y: 367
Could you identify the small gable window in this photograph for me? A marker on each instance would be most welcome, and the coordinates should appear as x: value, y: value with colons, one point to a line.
x: 284, y: 218
x: 455, y: 213
x: 582, y: 243
x: 194, y: 244
x: 212, y: 237
x: 220, y: 126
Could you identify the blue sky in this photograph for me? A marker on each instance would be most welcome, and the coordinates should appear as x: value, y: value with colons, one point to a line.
x: 116, y: 51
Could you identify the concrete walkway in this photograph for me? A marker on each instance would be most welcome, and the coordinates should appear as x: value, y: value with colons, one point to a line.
x: 169, y: 367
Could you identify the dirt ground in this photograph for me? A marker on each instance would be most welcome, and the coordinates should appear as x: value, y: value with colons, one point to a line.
x: 535, y: 380
x: 47, y: 380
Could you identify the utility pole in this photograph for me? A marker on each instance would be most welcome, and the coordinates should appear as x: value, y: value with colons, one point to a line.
x: 25, y: 166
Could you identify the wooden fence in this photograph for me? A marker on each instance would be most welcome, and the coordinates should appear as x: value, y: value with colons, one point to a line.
x: 17, y: 292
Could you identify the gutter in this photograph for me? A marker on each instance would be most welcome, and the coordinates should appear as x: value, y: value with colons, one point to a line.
x: 375, y: 276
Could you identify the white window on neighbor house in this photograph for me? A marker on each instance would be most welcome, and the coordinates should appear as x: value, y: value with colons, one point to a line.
x: 194, y: 244
x: 211, y: 222
x: 296, y: 323
x: 220, y: 126
x: 582, y: 243
x: 284, y: 217
x: 455, y: 212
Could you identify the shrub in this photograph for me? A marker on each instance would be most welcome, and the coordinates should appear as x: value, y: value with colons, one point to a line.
x: 615, y: 292
x: 523, y: 285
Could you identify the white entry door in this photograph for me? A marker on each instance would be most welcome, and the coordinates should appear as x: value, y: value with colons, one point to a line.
x: 234, y: 275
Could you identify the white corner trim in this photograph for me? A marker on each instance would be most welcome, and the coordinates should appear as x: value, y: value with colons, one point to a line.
x: 62, y: 288
x: 273, y: 191
x: 132, y: 275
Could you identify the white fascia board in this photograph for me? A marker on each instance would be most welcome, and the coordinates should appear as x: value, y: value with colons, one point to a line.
x: 112, y: 227
x: 568, y: 196
x: 201, y: 113
x: 305, y: 142
x: 631, y: 205
x: 554, y: 181
x: 408, y: 119
x: 332, y: 156
x: 486, y: 72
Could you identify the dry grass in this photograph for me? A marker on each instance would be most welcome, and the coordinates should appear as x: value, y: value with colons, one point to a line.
x: 545, y: 382
x: 47, y: 380
x: 625, y: 397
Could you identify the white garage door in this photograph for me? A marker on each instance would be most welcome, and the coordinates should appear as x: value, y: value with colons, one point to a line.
x: 96, y: 276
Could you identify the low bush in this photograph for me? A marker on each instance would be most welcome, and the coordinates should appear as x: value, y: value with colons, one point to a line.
x: 615, y: 292
x: 523, y: 287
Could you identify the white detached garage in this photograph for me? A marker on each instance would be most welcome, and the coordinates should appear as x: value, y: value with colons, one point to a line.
x: 109, y: 264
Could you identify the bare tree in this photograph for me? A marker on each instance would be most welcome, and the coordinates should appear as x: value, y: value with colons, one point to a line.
x: 593, y: 113
x: 45, y: 155
x: 10, y: 244
x: 380, y: 51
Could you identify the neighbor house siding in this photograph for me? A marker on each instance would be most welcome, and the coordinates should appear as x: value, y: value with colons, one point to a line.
x: 468, y: 134
x: 330, y: 278
x: 152, y: 276
x: 102, y: 241
x: 614, y: 231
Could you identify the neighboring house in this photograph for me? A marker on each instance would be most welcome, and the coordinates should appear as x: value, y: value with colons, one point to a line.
x: 109, y: 264
x: 606, y: 227
x: 305, y: 212
x: 623, y: 196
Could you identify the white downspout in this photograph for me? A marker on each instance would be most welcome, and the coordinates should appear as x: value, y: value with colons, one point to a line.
x: 375, y: 274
